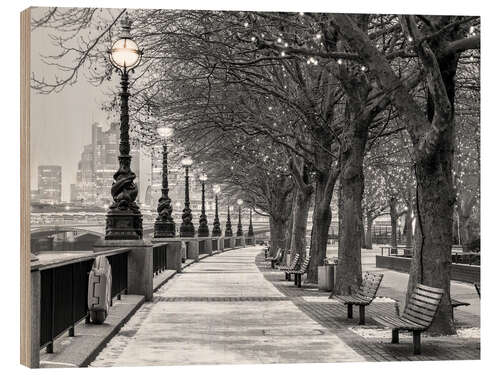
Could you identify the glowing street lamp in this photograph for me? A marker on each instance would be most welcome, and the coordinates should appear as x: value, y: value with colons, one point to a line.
x: 187, y: 227
x: 164, y: 224
x: 124, y: 218
x: 203, y: 230
x: 216, y: 231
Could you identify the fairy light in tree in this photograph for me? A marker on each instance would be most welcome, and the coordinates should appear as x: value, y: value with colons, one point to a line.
x: 363, y: 68
x: 301, y: 14
x: 410, y: 39
x: 283, y: 54
x: 286, y: 45
x: 318, y: 36
x: 253, y: 39
x: 245, y: 24
x: 280, y: 40
x: 339, y: 61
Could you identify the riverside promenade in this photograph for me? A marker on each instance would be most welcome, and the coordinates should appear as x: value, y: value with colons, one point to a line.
x: 222, y: 310
x: 231, y: 308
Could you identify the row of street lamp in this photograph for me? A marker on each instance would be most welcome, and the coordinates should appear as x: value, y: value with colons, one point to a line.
x: 124, y: 219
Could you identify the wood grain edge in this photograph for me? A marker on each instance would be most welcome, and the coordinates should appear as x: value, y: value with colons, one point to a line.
x: 25, y: 276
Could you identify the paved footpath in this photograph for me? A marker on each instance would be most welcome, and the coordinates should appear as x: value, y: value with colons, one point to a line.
x: 223, y: 310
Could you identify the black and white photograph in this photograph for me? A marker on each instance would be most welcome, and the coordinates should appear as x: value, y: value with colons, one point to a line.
x: 224, y: 187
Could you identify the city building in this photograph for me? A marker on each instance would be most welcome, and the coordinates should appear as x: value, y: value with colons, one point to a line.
x: 49, y: 184
x: 98, y: 164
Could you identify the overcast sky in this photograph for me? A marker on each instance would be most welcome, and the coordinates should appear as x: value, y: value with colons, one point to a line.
x: 61, y: 122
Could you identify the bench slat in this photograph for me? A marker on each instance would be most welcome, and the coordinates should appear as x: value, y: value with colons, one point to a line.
x: 430, y: 295
x: 416, y: 317
x: 429, y: 301
x: 430, y: 289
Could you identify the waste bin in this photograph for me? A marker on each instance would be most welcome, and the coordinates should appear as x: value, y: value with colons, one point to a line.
x: 99, y: 291
x: 326, y: 277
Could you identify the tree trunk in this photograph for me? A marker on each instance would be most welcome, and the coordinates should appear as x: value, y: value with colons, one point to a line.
x: 322, y: 217
x: 348, y: 275
x: 300, y: 215
x: 290, y: 223
x: 369, y: 226
x: 409, y: 227
x: 394, y: 222
x: 278, y: 232
x: 431, y: 263
x: 362, y: 232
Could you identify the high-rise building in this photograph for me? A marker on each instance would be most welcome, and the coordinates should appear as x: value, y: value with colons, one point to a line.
x: 98, y: 164
x: 49, y: 184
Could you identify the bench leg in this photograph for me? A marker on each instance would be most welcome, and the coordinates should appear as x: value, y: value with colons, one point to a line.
x: 361, y: 314
x: 395, y: 336
x: 299, y: 280
x: 349, y: 311
x: 416, y: 342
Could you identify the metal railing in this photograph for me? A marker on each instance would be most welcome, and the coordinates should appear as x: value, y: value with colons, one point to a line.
x: 64, y: 293
x: 215, y: 244
x: 201, y: 246
x: 159, y: 258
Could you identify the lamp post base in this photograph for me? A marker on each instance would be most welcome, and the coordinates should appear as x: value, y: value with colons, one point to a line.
x: 187, y: 230
x: 164, y: 229
x: 203, y: 231
x: 123, y: 225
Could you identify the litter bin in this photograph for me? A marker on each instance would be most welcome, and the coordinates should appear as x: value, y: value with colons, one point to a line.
x: 326, y: 277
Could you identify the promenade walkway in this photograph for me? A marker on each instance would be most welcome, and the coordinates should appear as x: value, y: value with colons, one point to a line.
x: 223, y: 310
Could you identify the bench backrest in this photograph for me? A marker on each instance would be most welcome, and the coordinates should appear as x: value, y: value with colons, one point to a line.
x: 294, y: 262
x: 369, y: 286
x: 305, y: 264
x: 423, y: 305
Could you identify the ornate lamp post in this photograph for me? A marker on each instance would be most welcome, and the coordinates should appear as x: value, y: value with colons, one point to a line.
x: 229, y: 229
x: 187, y: 227
x: 203, y: 228
x: 216, y: 232
x: 164, y: 225
x: 250, y: 226
x: 124, y: 219
x: 239, y: 231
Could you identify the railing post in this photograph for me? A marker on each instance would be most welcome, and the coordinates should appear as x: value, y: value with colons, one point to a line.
x: 193, y: 250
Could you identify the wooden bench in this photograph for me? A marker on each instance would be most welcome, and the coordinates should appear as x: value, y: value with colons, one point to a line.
x: 302, y: 270
x: 417, y: 316
x: 276, y: 258
x: 291, y: 267
x: 363, y: 296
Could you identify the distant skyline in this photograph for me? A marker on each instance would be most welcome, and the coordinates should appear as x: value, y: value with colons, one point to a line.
x: 61, y: 123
